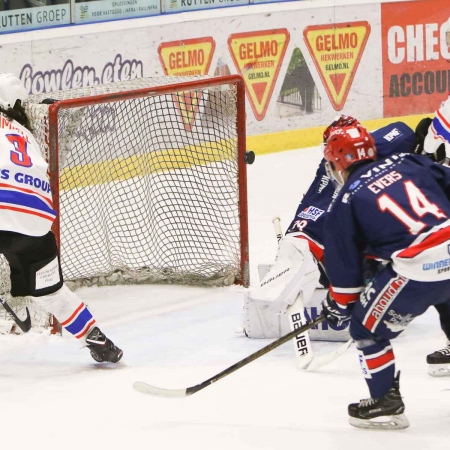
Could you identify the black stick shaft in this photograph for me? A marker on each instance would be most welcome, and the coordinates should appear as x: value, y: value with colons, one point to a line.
x: 253, y: 356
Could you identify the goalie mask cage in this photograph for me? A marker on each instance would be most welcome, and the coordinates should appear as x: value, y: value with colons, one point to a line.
x: 149, y: 180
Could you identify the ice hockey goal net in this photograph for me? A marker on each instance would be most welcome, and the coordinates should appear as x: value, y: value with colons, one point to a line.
x: 149, y: 179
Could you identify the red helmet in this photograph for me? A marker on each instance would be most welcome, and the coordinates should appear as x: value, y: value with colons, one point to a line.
x: 339, y: 122
x: 349, y: 145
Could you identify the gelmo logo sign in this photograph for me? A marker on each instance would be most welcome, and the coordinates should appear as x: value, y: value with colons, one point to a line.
x: 336, y: 51
x: 416, y: 51
x: 187, y: 58
x: 258, y: 57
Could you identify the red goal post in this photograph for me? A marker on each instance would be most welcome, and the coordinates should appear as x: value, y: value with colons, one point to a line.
x: 149, y: 179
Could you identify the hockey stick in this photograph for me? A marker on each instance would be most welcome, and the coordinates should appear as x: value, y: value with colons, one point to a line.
x: 24, y: 325
x: 277, y: 225
x: 145, y: 388
x: 302, y: 346
x: 319, y: 361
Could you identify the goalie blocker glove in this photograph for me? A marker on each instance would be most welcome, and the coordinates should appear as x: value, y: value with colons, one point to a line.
x: 335, y: 314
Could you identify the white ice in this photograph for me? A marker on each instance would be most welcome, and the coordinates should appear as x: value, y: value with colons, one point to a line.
x: 52, y: 394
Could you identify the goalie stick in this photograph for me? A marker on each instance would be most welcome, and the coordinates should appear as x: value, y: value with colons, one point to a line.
x: 24, y: 325
x: 296, y: 316
x: 302, y: 343
x: 145, y: 388
x: 319, y: 361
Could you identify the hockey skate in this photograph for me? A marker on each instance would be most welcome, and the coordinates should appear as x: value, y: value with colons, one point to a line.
x: 102, y: 349
x: 384, y: 413
x: 439, y: 362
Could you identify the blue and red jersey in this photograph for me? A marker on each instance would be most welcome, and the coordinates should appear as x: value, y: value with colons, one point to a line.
x: 397, y: 210
x: 309, y: 219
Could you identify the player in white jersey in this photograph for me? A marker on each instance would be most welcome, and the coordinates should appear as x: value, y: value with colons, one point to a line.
x: 434, y: 136
x: 26, y: 218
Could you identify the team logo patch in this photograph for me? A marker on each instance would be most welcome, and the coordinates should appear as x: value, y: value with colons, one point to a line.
x: 311, y: 213
x: 394, y: 133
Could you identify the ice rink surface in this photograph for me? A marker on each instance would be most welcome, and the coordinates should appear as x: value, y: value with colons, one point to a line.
x: 53, y: 394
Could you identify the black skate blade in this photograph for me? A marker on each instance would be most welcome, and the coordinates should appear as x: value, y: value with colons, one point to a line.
x: 394, y: 422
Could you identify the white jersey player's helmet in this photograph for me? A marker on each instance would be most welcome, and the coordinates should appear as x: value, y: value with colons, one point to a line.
x: 11, y: 90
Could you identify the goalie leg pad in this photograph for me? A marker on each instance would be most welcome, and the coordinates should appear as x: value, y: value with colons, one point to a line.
x: 259, y: 323
x: 294, y: 272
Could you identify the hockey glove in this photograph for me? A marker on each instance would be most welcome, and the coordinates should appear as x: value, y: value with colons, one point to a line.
x: 421, y: 132
x: 335, y: 314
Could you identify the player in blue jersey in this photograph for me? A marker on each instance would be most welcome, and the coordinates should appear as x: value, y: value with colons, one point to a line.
x: 396, y: 137
x: 297, y: 281
x: 26, y: 218
x: 395, y: 210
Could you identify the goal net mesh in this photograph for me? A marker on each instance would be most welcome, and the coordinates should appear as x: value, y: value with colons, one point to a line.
x: 148, y: 184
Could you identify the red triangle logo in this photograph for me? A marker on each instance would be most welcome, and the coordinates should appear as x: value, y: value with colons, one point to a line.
x: 338, y: 80
x: 259, y: 89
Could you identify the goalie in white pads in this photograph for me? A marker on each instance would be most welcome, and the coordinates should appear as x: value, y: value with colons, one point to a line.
x: 26, y: 218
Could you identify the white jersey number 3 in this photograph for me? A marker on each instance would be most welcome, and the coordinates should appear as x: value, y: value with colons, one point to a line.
x: 19, y: 155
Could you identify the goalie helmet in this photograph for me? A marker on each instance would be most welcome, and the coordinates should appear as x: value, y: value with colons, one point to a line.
x: 339, y: 122
x: 345, y: 147
x: 11, y: 90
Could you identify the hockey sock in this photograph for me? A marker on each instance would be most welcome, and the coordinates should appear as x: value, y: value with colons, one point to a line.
x: 69, y: 310
x: 378, y: 365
